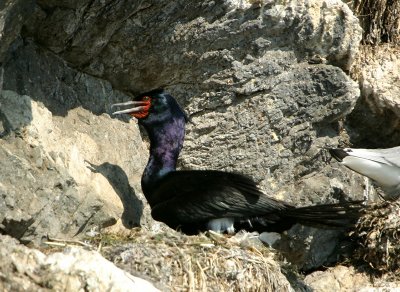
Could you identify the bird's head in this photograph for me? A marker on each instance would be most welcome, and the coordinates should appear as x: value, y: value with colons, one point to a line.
x: 152, y: 107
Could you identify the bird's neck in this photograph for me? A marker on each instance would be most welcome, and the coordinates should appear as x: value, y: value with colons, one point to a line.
x: 166, y: 141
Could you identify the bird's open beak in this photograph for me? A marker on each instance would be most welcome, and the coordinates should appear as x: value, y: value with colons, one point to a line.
x: 139, y: 106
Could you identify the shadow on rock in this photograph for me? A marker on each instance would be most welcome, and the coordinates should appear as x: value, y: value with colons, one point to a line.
x: 45, y: 78
x: 15, y: 112
x: 133, y: 206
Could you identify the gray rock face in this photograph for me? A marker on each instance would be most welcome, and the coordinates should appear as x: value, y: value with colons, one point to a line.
x: 31, y: 70
x: 342, y: 278
x: 13, y: 15
x: 59, y: 176
x: 379, y: 71
x: 139, y: 45
x: 277, y: 137
x: 262, y: 82
x: 74, y: 269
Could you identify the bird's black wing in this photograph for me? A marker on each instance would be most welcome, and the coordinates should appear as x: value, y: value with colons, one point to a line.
x: 182, y: 197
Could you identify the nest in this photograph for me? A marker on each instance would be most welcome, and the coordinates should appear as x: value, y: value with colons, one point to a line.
x: 207, y: 262
x: 380, y: 20
x: 378, y: 237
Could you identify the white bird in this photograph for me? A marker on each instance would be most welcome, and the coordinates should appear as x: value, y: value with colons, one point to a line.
x: 380, y: 165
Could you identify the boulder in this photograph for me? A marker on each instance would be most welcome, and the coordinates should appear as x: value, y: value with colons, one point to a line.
x: 13, y: 15
x: 61, y: 177
x: 374, y: 122
x: 74, y: 269
x: 343, y: 278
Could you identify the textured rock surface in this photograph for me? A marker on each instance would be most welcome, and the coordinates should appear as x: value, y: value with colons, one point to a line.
x: 380, y: 80
x: 13, y: 15
x: 341, y: 278
x: 36, y: 72
x: 277, y: 137
x: 75, y: 269
x: 263, y: 83
x: 139, y: 45
x: 379, y: 73
x: 63, y: 176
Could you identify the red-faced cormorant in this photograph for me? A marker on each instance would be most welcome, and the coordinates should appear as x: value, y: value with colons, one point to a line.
x: 198, y: 200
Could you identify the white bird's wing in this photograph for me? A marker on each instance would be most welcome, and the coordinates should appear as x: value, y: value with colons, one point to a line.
x: 389, y: 156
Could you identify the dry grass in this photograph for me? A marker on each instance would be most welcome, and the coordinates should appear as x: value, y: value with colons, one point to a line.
x: 380, y: 20
x: 207, y: 262
x: 378, y: 235
x: 370, y: 54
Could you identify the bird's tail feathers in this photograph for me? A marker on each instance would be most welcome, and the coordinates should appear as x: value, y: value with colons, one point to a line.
x: 339, y: 215
x: 338, y: 153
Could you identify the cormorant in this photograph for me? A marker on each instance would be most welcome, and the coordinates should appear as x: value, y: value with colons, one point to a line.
x: 199, y: 200
x: 380, y: 165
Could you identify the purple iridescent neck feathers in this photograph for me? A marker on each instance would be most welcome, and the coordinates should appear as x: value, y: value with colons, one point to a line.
x: 166, y: 133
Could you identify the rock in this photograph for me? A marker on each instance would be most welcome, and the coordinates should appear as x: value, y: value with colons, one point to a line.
x: 189, y: 42
x: 13, y: 15
x: 269, y: 237
x: 379, y: 76
x: 380, y: 79
x: 342, y: 278
x: 44, y: 77
x: 74, y: 269
x: 62, y: 176
x: 308, y: 248
x: 275, y: 139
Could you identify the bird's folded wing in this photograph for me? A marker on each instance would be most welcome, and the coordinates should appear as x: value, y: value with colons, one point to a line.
x: 187, y: 196
x: 390, y: 156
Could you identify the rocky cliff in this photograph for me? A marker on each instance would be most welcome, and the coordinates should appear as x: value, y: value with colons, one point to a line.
x: 266, y: 83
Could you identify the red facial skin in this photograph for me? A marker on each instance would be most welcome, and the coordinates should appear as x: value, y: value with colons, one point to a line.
x: 145, y: 111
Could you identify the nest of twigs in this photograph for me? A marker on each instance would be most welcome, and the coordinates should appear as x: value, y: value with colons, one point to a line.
x: 378, y: 237
x: 207, y: 262
x: 380, y: 20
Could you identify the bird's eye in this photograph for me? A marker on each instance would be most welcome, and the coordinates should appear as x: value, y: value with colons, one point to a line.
x: 146, y: 98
